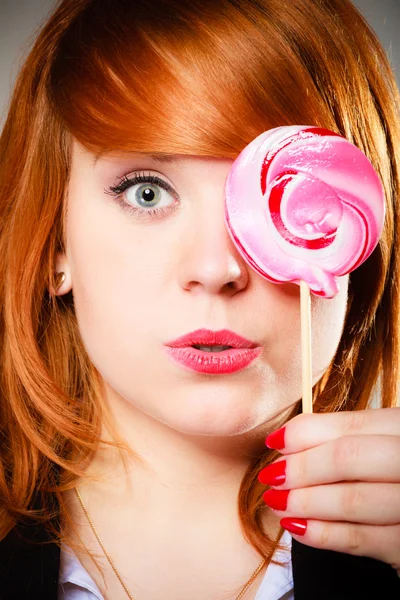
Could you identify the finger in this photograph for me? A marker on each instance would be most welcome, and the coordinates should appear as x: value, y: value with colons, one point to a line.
x: 310, y: 430
x: 365, y: 503
x: 382, y: 543
x: 364, y: 458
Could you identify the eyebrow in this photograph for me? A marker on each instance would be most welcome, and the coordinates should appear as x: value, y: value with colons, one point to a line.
x: 160, y: 158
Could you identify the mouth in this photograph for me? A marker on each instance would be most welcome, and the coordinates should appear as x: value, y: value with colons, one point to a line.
x: 207, y: 340
x: 220, y: 361
x: 211, y: 348
x: 213, y: 352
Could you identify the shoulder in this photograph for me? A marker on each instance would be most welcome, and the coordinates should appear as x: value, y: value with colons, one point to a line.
x: 29, y: 564
x: 337, y: 576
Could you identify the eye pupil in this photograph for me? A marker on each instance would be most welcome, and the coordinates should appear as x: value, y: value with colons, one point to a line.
x: 148, y: 195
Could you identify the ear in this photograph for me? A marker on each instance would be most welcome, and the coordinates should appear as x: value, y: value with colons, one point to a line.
x: 62, y: 276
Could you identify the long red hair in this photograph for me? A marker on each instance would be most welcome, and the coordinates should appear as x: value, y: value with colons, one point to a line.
x: 198, y: 77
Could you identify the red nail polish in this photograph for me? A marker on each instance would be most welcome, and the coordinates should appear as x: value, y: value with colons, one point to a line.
x: 274, y: 474
x: 276, y: 440
x: 296, y: 526
x: 276, y: 499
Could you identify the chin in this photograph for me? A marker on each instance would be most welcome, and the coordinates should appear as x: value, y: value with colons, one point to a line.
x: 216, y: 418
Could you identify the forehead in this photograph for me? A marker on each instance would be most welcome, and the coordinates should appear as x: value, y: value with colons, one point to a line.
x: 79, y: 151
x: 121, y: 159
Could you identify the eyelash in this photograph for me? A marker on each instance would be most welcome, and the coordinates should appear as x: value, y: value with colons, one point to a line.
x: 126, y: 182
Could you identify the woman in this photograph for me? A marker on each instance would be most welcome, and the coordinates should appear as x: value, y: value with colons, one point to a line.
x: 123, y: 472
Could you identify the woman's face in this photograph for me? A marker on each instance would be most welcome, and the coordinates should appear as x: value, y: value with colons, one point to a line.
x: 140, y: 280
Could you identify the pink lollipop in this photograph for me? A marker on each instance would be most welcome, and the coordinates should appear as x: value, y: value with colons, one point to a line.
x: 304, y: 204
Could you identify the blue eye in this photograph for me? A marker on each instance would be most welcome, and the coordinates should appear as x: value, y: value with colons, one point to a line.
x: 148, y: 195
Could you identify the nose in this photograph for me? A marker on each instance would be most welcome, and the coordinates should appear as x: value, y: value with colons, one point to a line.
x: 210, y: 262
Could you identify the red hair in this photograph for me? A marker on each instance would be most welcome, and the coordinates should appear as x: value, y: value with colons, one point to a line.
x: 195, y: 77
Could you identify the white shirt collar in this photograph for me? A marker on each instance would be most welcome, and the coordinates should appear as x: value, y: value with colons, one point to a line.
x: 75, y: 582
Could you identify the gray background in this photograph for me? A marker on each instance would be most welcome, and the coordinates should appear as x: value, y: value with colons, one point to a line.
x: 19, y: 19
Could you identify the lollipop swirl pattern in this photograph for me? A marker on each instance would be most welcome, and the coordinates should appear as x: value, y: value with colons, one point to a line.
x: 303, y: 203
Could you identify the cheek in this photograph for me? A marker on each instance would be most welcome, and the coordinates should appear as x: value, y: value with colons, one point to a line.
x: 117, y: 278
x: 327, y: 323
x: 284, y: 324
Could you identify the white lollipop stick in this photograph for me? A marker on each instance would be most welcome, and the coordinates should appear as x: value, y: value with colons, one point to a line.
x: 305, y: 318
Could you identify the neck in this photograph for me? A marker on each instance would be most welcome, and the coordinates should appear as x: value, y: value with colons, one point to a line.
x: 172, y: 486
x: 177, y: 466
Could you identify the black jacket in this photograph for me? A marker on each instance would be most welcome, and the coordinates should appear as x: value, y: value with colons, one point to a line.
x: 29, y: 571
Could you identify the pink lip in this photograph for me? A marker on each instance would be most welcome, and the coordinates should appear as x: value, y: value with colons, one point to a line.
x: 223, y: 337
x: 216, y: 363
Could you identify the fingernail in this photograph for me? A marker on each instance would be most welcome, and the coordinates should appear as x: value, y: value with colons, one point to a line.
x: 276, y: 499
x: 274, y: 474
x: 296, y: 526
x: 276, y: 440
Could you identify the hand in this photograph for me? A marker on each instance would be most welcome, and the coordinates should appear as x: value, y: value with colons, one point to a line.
x: 338, y: 485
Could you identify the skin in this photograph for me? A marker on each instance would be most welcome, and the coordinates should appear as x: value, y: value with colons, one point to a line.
x: 138, y: 283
